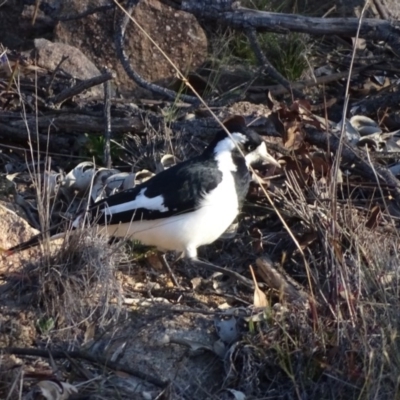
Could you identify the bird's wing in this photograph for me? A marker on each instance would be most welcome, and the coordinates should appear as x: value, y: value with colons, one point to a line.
x: 176, y: 190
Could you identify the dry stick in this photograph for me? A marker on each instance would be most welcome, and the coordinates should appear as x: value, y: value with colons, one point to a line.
x: 263, y: 21
x: 107, y: 123
x: 271, y: 71
x: 103, y: 361
x: 20, y: 133
x: 53, y: 74
x: 381, y: 9
x: 321, y: 80
x: 259, y: 181
x: 80, y: 87
x: 282, y: 284
x: 336, y: 163
x: 215, y: 268
x: 378, y: 101
x: 336, y: 266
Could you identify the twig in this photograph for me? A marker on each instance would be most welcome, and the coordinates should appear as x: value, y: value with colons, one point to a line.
x: 275, y: 280
x: 53, y: 75
x: 321, y: 80
x: 381, y: 9
x: 107, y: 123
x: 263, y: 60
x: 211, y: 267
x: 336, y: 163
x: 103, y: 361
x: 79, y: 88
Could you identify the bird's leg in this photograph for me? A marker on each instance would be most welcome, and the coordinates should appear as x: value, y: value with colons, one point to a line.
x: 216, y: 268
x: 166, y: 265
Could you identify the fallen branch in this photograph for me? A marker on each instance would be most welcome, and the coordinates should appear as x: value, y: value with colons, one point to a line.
x: 276, y: 90
x: 276, y: 281
x: 103, y: 361
x: 80, y: 87
x: 263, y: 21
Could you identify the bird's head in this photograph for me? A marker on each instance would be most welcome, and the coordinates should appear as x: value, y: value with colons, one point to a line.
x: 246, y: 142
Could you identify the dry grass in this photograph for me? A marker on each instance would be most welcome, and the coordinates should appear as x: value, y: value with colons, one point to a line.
x: 76, y: 282
x: 345, y: 344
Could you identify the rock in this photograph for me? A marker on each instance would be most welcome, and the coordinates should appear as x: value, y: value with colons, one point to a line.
x: 49, y: 55
x: 13, y: 228
x: 178, y: 33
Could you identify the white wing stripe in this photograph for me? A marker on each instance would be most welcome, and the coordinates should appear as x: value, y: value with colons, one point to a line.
x: 140, y: 201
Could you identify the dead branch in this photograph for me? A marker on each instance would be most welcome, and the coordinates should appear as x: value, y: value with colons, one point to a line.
x: 21, y: 134
x: 103, y: 361
x: 80, y: 87
x: 107, y: 124
x: 380, y: 101
x: 244, y: 18
x: 276, y: 90
x: 276, y: 281
x: 71, y: 122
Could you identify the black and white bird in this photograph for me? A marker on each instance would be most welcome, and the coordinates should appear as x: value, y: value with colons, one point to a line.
x: 188, y: 205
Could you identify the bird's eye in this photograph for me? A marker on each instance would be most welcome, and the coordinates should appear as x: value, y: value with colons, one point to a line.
x: 251, y: 147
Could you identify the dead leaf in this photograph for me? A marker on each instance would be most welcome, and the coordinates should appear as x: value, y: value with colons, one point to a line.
x: 293, y: 137
x: 260, y: 299
x: 55, y: 390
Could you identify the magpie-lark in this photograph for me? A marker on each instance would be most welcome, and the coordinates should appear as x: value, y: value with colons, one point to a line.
x: 188, y: 205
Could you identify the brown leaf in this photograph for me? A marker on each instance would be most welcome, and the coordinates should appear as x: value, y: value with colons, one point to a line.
x: 260, y: 299
x: 293, y: 137
x: 300, y: 104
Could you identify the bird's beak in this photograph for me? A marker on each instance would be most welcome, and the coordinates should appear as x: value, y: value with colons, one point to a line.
x: 271, y: 160
x: 261, y: 154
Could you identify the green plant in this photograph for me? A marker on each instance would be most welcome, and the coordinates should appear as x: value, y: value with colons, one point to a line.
x: 285, y: 52
x: 45, y: 324
x: 94, y: 147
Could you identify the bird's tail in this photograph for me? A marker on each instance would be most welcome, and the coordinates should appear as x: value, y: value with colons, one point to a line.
x: 33, y: 242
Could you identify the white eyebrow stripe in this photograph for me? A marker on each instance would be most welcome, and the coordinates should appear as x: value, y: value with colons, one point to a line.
x: 140, y: 201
